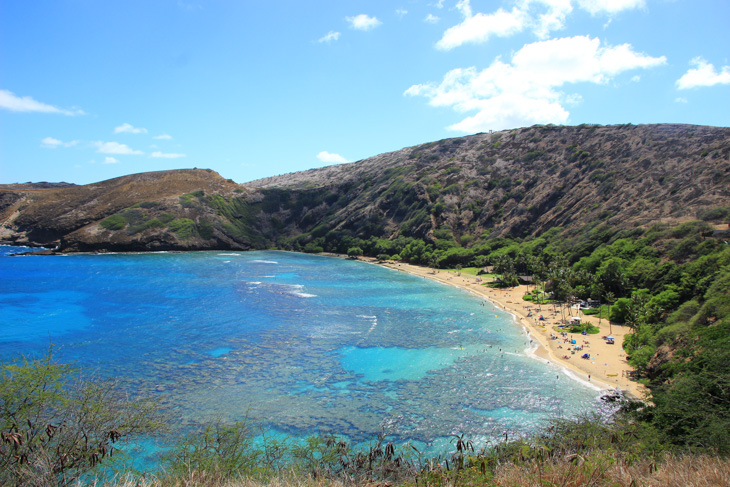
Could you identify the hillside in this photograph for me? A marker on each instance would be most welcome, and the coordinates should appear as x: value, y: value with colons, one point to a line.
x: 635, y: 217
x: 520, y: 182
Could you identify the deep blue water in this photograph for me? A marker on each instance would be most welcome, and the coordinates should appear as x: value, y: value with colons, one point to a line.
x: 298, y: 343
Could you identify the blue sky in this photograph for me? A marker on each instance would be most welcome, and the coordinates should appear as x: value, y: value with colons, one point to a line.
x: 94, y: 89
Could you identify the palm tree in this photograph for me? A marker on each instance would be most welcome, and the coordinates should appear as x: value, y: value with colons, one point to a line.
x: 610, y: 298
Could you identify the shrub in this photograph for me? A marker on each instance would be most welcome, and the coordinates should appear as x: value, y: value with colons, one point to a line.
x: 354, y: 252
x: 184, y: 228
x: 205, y: 229
x: 114, y: 222
x: 57, y: 426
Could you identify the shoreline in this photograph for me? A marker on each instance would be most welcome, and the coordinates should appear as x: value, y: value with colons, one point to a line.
x: 607, y: 364
x: 605, y: 369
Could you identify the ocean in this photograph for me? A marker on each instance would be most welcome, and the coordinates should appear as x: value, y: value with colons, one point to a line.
x: 298, y: 344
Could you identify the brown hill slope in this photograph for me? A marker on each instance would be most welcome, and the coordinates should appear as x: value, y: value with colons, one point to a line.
x: 521, y: 181
x: 528, y: 180
x: 46, y: 216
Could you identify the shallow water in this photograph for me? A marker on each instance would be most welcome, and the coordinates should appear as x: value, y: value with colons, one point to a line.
x: 298, y: 343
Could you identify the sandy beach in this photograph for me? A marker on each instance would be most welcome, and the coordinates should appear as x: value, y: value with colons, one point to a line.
x: 606, y: 367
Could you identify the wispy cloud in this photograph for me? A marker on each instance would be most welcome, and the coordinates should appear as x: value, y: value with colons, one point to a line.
x: 325, y: 156
x: 10, y: 101
x: 431, y: 19
x: 126, y: 128
x: 527, y: 90
x: 163, y: 155
x: 163, y: 137
x: 363, y: 22
x: 610, y: 6
x: 702, y: 75
x: 329, y: 37
x: 51, y: 143
x: 110, y: 160
x: 401, y: 12
x: 115, y: 148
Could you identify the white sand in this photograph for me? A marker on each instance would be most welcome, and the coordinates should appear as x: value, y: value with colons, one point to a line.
x: 607, y: 366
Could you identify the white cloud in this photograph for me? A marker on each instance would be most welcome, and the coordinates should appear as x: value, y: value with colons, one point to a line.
x: 439, y: 4
x: 51, y: 143
x: 480, y: 27
x: 162, y: 155
x: 401, y: 12
x: 431, y: 19
x: 110, y: 160
x: 126, y: 128
x: 636, y: 78
x: 704, y: 74
x: 551, y: 19
x: 679, y: 99
x: 363, y: 22
x: 610, y: 6
x: 527, y: 89
x: 329, y: 37
x: 325, y: 156
x: 163, y: 137
x: 115, y: 148
x: 539, y: 16
x: 574, y: 99
x: 9, y: 101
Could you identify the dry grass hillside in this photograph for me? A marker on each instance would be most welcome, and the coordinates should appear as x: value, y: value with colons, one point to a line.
x: 520, y: 182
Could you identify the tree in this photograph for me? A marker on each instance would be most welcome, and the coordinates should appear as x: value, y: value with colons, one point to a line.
x: 56, y: 426
x: 354, y: 252
x: 619, y: 310
x: 610, y: 298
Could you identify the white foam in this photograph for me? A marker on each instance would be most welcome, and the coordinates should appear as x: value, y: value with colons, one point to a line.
x: 574, y: 377
x: 261, y: 261
x: 304, y: 295
x: 232, y: 255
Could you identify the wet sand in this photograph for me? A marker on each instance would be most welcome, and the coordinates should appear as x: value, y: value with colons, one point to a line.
x: 606, y: 367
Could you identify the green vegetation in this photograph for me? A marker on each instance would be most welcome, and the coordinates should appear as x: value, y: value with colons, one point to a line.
x: 669, y: 284
x: 184, y: 228
x: 57, y: 426
x: 114, y: 222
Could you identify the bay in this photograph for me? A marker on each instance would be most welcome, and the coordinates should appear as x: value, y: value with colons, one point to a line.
x: 297, y: 343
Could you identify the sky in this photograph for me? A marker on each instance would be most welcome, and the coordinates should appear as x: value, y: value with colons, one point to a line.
x: 95, y: 89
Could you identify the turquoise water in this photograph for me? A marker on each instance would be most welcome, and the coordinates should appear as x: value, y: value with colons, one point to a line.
x: 297, y: 343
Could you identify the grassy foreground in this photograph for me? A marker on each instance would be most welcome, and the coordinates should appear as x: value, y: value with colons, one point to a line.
x: 593, y: 470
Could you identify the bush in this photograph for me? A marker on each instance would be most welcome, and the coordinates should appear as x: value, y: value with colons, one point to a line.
x: 620, y: 310
x: 184, y: 228
x: 57, y: 426
x: 354, y: 252
x: 114, y: 222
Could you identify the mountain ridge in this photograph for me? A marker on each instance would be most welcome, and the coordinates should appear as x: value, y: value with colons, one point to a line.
x: 520, y: 182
